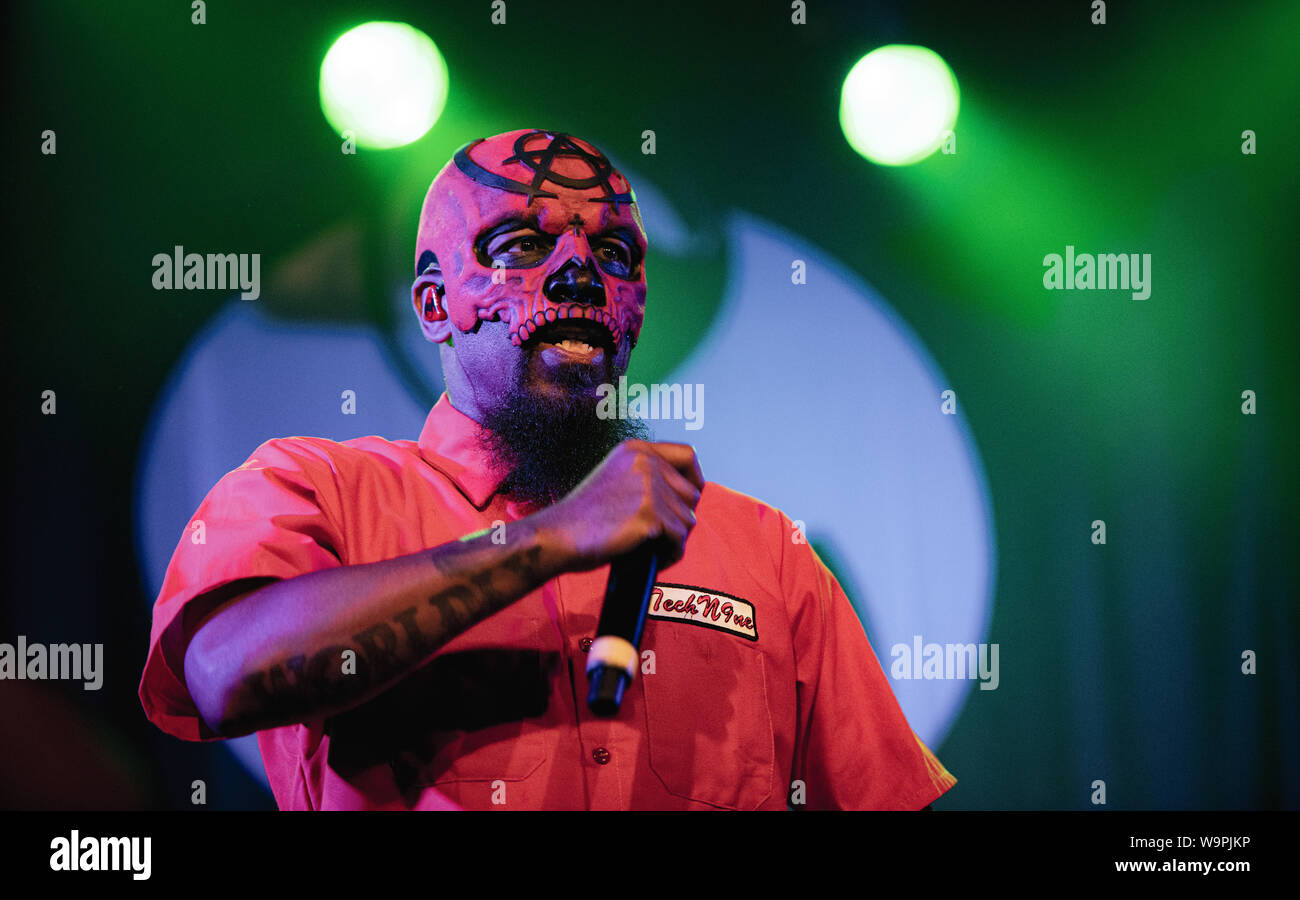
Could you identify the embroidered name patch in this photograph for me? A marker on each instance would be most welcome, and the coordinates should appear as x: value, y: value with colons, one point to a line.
x: 708, y: 608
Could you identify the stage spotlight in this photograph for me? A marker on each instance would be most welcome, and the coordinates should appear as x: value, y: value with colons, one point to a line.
x: 897, y: 104
x: 384, y: 81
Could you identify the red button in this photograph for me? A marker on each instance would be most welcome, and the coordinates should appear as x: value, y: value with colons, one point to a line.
x: 600, y: 755
x: 584, y: 644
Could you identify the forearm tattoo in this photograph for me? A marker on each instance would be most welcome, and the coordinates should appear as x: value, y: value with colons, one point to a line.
x: 302, y: 686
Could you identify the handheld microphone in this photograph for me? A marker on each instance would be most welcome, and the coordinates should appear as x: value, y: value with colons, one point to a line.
x: 614, y: 654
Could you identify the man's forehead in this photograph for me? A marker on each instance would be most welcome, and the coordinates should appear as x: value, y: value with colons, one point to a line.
x: 544, y: 164
x: 556, y: 216
x: 551, y: 176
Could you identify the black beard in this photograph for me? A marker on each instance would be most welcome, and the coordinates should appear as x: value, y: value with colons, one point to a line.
x: 548, y: 444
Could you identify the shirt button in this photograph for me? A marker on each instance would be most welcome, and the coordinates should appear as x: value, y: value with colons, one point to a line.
x: 585, y: 644
x: 600, y: 755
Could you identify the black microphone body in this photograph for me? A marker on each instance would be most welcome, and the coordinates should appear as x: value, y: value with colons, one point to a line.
x: 614, y: 654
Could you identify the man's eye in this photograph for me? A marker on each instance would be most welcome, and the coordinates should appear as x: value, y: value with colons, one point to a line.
x: 615, y: 253
x: 523, y: 249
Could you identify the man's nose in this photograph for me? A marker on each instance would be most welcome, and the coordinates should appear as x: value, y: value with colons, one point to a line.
x: 577, y: 281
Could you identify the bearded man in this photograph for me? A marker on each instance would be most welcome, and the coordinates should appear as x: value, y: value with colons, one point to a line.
x: 404, y: 623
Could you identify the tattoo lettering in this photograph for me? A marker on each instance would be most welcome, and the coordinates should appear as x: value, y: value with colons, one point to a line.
x: 420, y: 647
x: 379, y: 650
x: 453, y: 606
x: 298, y: 687
x: 323, y: 679
x: 267, y: 687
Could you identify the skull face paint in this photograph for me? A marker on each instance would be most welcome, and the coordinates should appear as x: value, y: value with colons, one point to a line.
x: 553, y: 221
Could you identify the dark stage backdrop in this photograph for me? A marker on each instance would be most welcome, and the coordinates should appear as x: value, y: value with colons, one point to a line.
x: 1104, y: 505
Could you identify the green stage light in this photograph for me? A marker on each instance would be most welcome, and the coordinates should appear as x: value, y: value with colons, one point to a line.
x: 384, y: 81
x: 897, y: 104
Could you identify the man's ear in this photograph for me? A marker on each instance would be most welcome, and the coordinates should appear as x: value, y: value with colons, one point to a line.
x: 428, y: 294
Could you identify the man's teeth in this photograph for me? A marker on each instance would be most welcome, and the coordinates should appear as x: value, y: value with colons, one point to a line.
x: 575, y: 346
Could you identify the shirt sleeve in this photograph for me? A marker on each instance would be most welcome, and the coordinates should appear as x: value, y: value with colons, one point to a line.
x: 855, y: 748
x: 276, y: 516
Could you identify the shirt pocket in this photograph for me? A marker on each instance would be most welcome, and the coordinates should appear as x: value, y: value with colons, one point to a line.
x: 708, y: 718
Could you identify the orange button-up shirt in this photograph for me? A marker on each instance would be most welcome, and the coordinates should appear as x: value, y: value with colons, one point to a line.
x: 757, y: 687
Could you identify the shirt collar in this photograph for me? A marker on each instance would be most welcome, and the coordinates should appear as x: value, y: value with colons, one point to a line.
x: 449, y: 443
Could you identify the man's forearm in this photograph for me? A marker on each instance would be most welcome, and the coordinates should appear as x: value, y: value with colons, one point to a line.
x: 278, y: 655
